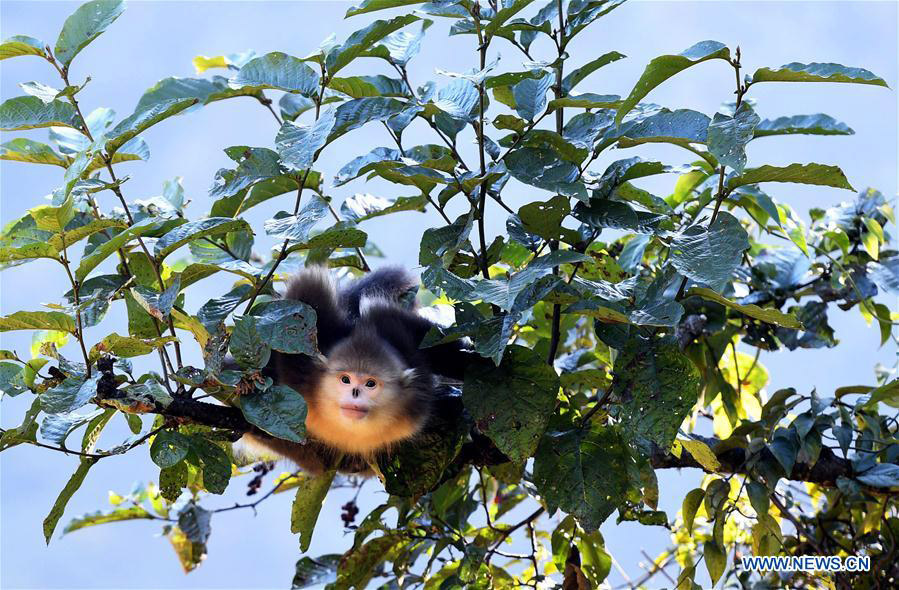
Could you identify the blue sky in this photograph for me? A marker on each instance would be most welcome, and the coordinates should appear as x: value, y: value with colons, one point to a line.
x: 153, y: 40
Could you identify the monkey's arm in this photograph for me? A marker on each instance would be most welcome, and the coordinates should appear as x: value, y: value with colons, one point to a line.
x: 314, y: 457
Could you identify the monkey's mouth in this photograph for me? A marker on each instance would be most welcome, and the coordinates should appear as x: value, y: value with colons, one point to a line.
x: 354, y: 412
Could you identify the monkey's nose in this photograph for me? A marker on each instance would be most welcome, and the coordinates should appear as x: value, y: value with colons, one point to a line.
x: 355, y: 392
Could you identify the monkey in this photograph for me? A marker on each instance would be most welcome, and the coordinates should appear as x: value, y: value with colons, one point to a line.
x: 372, y: 386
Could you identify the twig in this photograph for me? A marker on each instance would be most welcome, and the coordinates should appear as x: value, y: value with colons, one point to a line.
x: 253, y: 505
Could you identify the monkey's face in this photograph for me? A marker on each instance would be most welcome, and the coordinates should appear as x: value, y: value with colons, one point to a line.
x: 356, y: 393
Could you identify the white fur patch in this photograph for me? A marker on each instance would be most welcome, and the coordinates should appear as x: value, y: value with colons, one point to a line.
x: 369, y: 302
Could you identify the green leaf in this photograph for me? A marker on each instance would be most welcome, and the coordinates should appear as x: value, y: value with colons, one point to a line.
x: 75, y: 235
x: 524, y: 387
x: 709, y: 255
x: 65, y: 495
x: 692, y: 502
x: 587, y: 100
x: 318, y: 571
x: 55, y: 428
x: 818, y: 174
x: 12, y: 379
x: 35, y: 152
x: 279, y: 71
x: 128, y: 346
x: 84, y: 25
x: 817, y: 72
x: 159, y: 305
x: 544, y: 218
x: 887, y: 393
x: 544, y: 169
x: 279, y: 410
x: 882, y: 475
x: 215, y: 463
x: 529, y: 96
x: 401, y: 46
x: 104, y: 250
x: 374, y: 5
x: 141, y: 120
x: 38, y: 320
x: 69, y: 395
x: 416, y: 466
x: 169, y: 448
x: 758, y: 497
x: 361, y: 207
x: 307, y: 504
x: 728, y: 136
x: 665, y: 66
x: 767, y: 315
x: 657, y: 385
x: 584, y: 12
x: 42, y: 91
x: 172, y: 480
x: 340, y: 235
x: 195, y: 230
x: 819, y: 124
x: 28, y: 252
x: 509, y: 10
x: 523, y: 289
x: 353, y: 114
x: 715, y: 560
x: 253, y: 165
x: 30, y: 112
x: 296, y: 228
x: 298, y: 145
x: 586, y: 473
x: 194, y: 522
x: 288, y: 326
x: 26, y: 431
x: 53, y: 219
x: 575, y: 77
x: 366, y: 86
x: 362, y: 40
x: 205, y: 91
x: 22, y: 45
x: 247, y: 346
x: 117, y: 515
x: 359, y: 565
x: 680, y: 127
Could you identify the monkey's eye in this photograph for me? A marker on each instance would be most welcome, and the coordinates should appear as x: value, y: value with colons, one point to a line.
x: 345, y: 379
x: 371, y: 383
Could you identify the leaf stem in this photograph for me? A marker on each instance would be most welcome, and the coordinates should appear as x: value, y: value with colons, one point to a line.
x: 556, y: 323
x: 722, y: 190
x: 483, y: 43
x: 64, y: 260
x: 282, y: 254
x: 64, y: 74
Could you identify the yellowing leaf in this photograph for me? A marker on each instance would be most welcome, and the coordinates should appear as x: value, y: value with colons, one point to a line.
x: 203, y: 63
x: 702, y: 453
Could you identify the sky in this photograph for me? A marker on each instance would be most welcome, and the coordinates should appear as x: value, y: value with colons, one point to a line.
x: 153, y: 40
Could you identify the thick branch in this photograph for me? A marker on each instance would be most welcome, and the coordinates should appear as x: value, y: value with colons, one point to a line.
x: 825, y: 471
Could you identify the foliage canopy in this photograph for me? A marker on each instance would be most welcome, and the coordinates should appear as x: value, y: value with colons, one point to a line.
x: 601, y: 358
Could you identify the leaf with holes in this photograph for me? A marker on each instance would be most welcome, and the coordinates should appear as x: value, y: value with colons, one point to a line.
x: 511, y: 403
x: 657, y: 386
x: 709, y: 255
x: 586, y: 473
